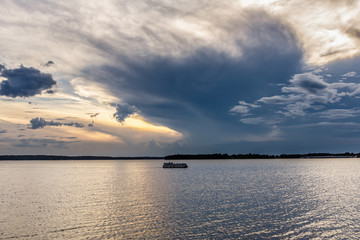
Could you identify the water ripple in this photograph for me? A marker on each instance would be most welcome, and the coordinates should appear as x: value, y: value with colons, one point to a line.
x: 270, y: 199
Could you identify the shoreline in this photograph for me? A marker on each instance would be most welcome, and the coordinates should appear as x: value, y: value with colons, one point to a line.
x: 183, y: 157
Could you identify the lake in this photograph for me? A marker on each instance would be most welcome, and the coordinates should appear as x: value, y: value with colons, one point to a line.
x: 212, y: 199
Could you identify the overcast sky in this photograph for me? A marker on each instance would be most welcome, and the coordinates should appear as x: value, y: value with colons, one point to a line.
x: 136, y: 78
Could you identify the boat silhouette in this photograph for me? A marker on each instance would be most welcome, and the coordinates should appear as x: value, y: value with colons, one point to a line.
x: 174, y: 165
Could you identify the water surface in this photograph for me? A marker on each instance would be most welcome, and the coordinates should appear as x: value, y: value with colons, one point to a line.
x: 212, y: 199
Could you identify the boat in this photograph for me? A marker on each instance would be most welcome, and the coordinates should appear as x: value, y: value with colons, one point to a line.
x: 174, y: 165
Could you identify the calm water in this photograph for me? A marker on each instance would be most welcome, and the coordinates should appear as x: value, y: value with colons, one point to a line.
x: 246, y: 199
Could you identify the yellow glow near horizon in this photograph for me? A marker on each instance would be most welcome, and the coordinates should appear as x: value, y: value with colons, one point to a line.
x: 106, y: 128
x: 92, y: 136
x: 141, y: 124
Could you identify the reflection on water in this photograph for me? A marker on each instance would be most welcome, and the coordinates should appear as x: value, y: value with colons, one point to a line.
x: 211, y: 199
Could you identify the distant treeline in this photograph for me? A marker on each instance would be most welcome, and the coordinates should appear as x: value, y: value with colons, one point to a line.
x: 55, y: 157
x: 260, y: 156
x: 183, y: 156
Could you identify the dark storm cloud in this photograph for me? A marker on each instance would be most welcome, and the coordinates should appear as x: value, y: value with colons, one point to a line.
x: 206, y: 84
x: 37, y: 123
x: 123, y: 111
x: 193, y: 94
x: 24, y: 82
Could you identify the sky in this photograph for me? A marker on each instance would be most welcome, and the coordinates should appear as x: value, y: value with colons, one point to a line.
x: 152, y: 78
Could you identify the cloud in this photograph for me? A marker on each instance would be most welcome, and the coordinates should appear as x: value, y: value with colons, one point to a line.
x: 186, y: 65
x: 311, y: 90
x: 3, y: 131
x: 307, y: 90
x: 68, y: 137
x: 194, y: 92
x: 328, y: 30
x: 41, y: 142
x: 173, y: 29
x: 259, y: 120
x: 94, y: 115
x: 49, y: 63
x: 350, y: 74
x: 306, y: 81
x: 37, y: 123
x: 74, y: 124
x: 256, y: 120
x: 204, y: 83
x: 280, y: 99
x: 123, y: 111
x: 340, y: 113
x: 24, y: 82
x: 88, y: 89
x: 243, y: 108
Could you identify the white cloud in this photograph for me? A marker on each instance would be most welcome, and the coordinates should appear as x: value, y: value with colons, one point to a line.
x: 308, y: 90
x: 339, y: 113
x: 89, y: 89
x: 328, y: 30
x: 350, y: 74
x: 243, y: 108
x: 280, y: 99
x: 76, y: 34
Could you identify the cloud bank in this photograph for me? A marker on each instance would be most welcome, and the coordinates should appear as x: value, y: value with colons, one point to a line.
x: 42, y: 143
x: 37, y: 123
x: 312, y: 91
x: 190, y: 94
x: 24, y: 82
